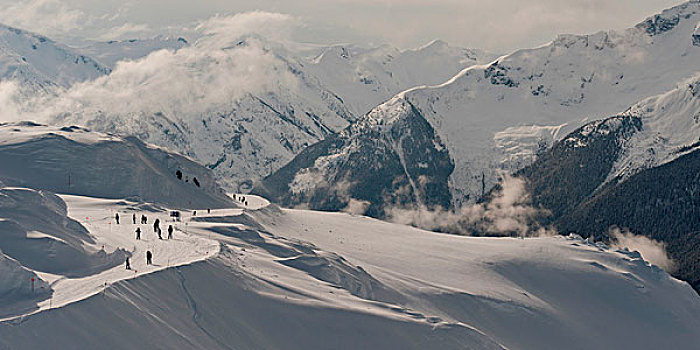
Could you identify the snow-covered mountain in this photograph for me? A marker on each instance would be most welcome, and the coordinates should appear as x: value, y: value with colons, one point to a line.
x: 242, y: 108
x: 245, y: 106
x: 637, y: 170
x: 496, y: 117
x: 39, y: 63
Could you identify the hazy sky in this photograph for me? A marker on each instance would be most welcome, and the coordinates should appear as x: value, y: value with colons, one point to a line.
x: 500, y: 25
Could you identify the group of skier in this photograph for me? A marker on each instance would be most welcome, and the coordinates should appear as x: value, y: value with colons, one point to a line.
x: 156, y: 229
x: 241, y: 199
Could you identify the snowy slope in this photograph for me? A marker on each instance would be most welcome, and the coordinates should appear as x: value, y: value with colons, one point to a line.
x: 651, y: 133
x: 88, y: 254
x: 39, y: 63
x: 301, y: 279
x: 499, y: 116
x: 76, y: 161
x: 670, y: 128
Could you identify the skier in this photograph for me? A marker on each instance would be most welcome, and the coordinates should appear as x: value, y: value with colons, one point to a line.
x: 134, y: 218
x: 149, y: 258
x: 144, y: 219
x: 170, y: 231
x: 116, y: 217
x: 138, y: 233
x: 128, y: 264
x: 194, y: 213
x: 155, y: 225
x: 208, y: 211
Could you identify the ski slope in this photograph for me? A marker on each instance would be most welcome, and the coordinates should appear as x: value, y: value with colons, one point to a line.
x: 97, y: 216
x: 257, y: 276
x: 540, y: 293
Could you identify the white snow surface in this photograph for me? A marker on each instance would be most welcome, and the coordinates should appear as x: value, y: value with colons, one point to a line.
x: 262, y: 277
x: 97, y: 217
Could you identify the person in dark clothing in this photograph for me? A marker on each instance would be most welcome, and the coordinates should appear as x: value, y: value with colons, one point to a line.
x: 194, y: 213
x: 156, y: 225
x: 158, y: 232
x: 116, y: 217
x: 149, y: 258
x: 128, y: 264
x: 133, y: 217
x: 138, y: 233
x: 208, y: 211
x: 144, y: 219
x: 170, y: 231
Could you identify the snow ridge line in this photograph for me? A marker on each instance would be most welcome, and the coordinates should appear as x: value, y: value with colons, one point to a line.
x: 18, y: 319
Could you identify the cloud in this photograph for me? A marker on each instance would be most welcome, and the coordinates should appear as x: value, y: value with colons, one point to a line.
x: 356, y: 207
x: 125, y: 30
x: 272, y: 26
x: 651, y: 250
x: 501, y: 25
x: 45, y: 16
x: 507, y: 213
x: 9, y: 93
x: 60, y: 21
x: 213, y: 73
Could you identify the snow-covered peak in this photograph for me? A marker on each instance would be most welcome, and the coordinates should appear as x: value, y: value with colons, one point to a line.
x: 670, y: 18
x: 39, y: 62
x: 435, y: 45
x: 365, y: 77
